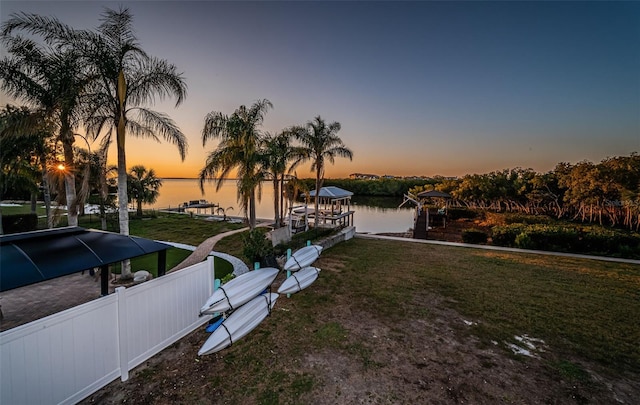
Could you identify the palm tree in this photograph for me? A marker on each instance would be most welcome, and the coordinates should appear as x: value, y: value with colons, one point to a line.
x: 19, y: 158
x: 223, y: 211
x: 25, y: 141
x: 50, y: 80
x: 143, y: 186
x: 320, y: 143
x: 94, y: 179
x: 124, y: 78
x: 128, y: 79
x: 238, y: 148
x: 277, y: 152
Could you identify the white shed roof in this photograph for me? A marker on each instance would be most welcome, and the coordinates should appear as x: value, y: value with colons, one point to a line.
x: 331, y: 192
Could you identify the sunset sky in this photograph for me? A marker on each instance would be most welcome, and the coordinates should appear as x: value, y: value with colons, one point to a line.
x: 420, y: 88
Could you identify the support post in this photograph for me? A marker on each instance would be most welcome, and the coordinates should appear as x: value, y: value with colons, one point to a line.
x: 211, y: 263
x: 122, y: 333
x: 162, y: 263
x: 104, y: 280
x: 216, y: 285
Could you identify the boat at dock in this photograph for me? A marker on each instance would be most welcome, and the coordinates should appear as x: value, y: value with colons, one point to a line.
x: 196, y: 205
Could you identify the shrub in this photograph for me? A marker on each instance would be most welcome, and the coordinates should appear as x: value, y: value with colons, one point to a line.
x: 494, y: 218
x: 506, y: 235
x: 19, y: 223
x: 523, y: 241
x: 474, y: 236
x: 568, y: 238
x: 256, y: 247
x: 228, y: 277
x: 519, y: 218
x: 459, y: 213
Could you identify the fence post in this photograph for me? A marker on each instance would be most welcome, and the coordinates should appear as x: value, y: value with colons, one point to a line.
x: 122, y: 333
x: 288, y: 271
x: 212, y: 269
x: 216, y: 285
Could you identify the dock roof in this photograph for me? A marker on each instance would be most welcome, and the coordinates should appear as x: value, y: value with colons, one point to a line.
x: 331, y: 192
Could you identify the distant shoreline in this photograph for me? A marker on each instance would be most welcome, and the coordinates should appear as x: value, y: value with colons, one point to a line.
x: 197, y: 178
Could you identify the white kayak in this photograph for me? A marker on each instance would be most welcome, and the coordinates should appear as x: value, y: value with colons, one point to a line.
x: 299, y: 280
x: 239, y: 290
x: 242, y: 321
x: 303, y: 257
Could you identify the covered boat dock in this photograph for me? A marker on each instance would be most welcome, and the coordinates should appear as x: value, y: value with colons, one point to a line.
x: 334, y: 206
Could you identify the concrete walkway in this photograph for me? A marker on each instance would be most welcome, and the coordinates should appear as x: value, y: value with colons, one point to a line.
x: 239, y: 267
x: 206, y: 247
x: 499, y: 248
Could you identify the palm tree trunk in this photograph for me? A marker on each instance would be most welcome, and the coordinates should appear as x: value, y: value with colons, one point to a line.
x: 123, y: 211
x: 34, y: 202
x: 318, y: 187
x: 123, y: 200
x: 252, y: 209
x: 104, y: 192
x: 70, y: 185
x: 103, y: 221
x: 282, y: 198
x: 103, y: 200
x: 46, y: 194
x: 276, y: 201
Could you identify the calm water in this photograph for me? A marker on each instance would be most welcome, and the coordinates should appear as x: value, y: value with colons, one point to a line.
x: 369, y: 216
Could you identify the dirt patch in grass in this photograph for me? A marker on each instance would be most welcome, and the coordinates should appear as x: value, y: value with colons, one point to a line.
x: 369, y: 333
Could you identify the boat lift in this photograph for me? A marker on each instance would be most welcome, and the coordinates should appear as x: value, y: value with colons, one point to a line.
x: 418, y: 231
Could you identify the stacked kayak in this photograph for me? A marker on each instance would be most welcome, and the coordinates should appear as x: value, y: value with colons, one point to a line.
x: 240, y: 305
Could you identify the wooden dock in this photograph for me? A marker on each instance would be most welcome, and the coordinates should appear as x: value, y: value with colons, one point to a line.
x: 196, y: 205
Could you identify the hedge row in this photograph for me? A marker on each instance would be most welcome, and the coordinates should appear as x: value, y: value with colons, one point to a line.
x: 459, y: 213
x: 474, y: 236
x: 380, y: 187
x: 519, y: 218
x: 563, y: 238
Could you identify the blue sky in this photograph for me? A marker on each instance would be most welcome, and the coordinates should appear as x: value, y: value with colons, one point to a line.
x: 420, y: 88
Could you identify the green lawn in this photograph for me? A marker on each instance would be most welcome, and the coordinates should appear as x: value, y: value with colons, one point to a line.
x: 585, y: 311
x: 172, y: 228
x: 158, y: 226
x: 584, y: 308
x: 150, y: 262
x: 155, y: 225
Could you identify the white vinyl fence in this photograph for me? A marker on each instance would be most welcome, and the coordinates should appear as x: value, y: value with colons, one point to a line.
x: 65, y: 357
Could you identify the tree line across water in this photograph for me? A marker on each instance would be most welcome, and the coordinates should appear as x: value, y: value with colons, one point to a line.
x: 605, y: 193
